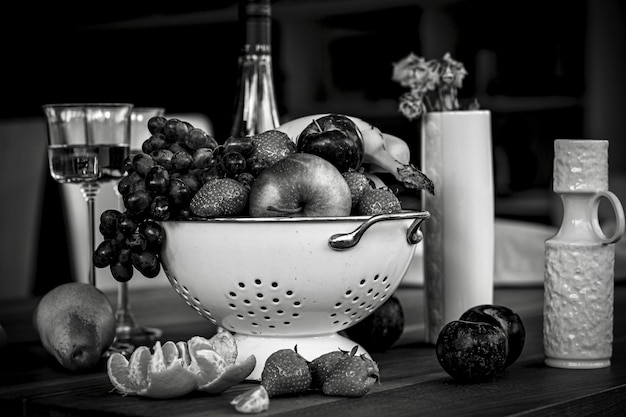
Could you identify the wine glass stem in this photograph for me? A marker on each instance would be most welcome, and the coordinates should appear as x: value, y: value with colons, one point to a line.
x: 90, y: 191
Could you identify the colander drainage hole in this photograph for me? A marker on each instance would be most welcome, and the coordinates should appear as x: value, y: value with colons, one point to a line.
x: 362, y: 283
x: 242, y: 285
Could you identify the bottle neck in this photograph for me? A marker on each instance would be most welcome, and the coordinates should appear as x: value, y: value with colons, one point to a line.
x: 255, y: 15
x: 255, y: 106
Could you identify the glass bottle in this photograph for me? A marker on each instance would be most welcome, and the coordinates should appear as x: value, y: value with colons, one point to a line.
x: 255, y: 105
x: 580, y: 260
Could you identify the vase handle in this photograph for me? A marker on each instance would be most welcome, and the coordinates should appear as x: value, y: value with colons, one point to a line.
x: 619, y: 217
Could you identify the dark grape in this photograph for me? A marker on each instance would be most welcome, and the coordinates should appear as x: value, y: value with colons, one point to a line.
x: 156, y: 124
x: 127, y: 224
x: 158, y: 179
x: 246, y: 179
x: 126, y: 183
x: 163, y: 157
x: 255, y: 166
x: 182, y: 161
x: 243, y: 145
x: 142, y: 163
x: 137, y: 201
x: 136, y: 242
x: 124, y: 256
x: 154, y: 143
x: 153, y: 232
x: 175, y: 130
x: 202, y: 158
x: 179, y: 192
x: 179, y: 146
x: 122, y: 272
x: 108, y: 222
x: 147, y: 263
x: 198, y: 138
x: 233, y: 163
x: 128, y: 165
x: 106, y: 253
x: 183, y: 213
x: 192, y: 181
x: 160, y: 208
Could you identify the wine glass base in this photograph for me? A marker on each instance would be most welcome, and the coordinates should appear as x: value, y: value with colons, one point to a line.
x: 138, y: 335
x: 128, y: 338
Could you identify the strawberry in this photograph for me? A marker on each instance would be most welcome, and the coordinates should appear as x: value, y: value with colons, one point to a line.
x: 269, y: 147
x: 359, y: 184
x: 322, y: 366
x: 379, y: 201
x: 286, y: 372
x: 352, y: 376
x: 220, y: 197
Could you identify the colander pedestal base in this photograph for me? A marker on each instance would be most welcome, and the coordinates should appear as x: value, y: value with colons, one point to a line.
x: 310, y: 347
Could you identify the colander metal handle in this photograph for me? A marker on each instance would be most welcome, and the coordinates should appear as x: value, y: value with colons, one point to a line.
x: 343, y: 241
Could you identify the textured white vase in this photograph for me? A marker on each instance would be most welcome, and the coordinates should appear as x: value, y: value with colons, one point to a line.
x: 459, y: 237
x: 580, y: 260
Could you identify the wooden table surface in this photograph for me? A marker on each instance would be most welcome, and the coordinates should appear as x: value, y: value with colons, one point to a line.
x: 412, y: 381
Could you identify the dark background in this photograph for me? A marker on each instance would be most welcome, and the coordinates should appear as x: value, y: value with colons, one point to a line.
x: 546, y: 69
x: 528, y: 62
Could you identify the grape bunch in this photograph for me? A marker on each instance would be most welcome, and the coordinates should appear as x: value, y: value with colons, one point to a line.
x: 129, y: 242
x: 176, y: 161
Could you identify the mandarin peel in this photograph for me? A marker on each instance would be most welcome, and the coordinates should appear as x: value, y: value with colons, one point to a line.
x: 176, y: 369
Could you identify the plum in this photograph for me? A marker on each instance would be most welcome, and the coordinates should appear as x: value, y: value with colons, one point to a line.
x: 472, y: 351
x: 507, y: 320
x: 335, y: 138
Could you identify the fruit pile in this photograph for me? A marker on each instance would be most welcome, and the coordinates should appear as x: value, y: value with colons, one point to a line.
x: 300, y: 169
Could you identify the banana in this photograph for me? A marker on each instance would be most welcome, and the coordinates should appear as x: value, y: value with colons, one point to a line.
x: 383, y: 152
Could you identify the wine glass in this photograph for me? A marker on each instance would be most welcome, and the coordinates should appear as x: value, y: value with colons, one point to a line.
x: 128, y: 330
x: 87, y: 145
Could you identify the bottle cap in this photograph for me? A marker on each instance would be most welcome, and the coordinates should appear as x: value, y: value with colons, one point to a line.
x: 580, y: 165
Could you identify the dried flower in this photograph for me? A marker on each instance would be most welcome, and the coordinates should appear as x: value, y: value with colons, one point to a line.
x: 433, y: 84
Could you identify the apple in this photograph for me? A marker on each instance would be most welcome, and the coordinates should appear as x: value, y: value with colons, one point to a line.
x: 472, y: 351
x: 507, y: 320
x: 301, y: 184
x: 335, y: 138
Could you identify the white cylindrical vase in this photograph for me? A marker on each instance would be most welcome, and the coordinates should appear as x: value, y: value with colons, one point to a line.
x: 456, y: 154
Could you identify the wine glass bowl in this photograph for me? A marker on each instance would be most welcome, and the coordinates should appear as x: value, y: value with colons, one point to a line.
x: 277, y: 282
x: 87, y: 145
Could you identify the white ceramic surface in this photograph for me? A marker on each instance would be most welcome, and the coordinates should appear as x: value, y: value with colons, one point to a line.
x: 580, y: 260
x: 277, y: 283
x: 459, y: 237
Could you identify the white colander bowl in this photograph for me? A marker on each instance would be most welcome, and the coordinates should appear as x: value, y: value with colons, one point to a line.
x: 285, y: 282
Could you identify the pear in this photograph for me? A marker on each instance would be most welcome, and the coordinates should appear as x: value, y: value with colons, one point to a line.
x: 76, y: 323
